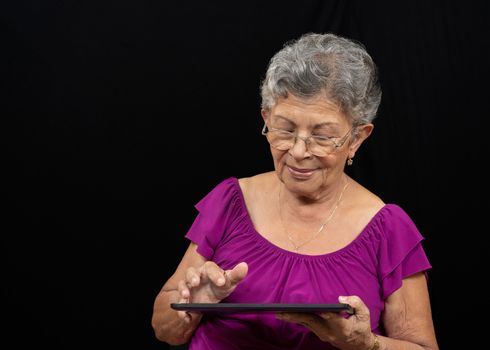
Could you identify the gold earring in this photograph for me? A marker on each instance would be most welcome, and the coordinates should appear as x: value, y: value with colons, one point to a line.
x: 350, y: 161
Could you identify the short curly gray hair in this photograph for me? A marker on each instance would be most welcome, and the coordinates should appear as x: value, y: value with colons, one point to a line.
x: 329, y: 65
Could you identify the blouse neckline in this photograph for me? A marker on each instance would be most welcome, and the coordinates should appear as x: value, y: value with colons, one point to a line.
x: 265, y: 241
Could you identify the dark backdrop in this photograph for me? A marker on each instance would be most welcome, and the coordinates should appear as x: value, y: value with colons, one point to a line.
x: 118, y: 116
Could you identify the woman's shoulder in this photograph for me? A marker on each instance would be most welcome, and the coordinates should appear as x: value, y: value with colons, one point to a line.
x: 364, y: 204
x: 257, y: 182
x: 233, y: 188
x: 370, y: 208
x: 236, y: 189
x: 222, y: 192
x: 373, y: 206
x: 257, y: 192
x: 256, y: 186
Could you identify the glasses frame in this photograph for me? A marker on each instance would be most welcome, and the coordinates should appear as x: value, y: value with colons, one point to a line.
x: 306, y: 140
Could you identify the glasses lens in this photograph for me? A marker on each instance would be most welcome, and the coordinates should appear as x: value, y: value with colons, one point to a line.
x: 321, y: 149
x: 282, y: 140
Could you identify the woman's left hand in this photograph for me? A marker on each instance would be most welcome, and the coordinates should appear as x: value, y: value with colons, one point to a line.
x: 349, y: 333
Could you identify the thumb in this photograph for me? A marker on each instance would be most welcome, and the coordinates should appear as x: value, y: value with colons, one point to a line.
x: 238, y: 273
x: 360, y: 309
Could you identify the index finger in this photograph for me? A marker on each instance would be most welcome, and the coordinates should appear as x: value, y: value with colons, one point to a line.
x: 214, y: 273
x: 192, y: 277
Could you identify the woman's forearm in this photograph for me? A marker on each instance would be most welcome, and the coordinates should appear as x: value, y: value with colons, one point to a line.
x: 386, y: 343
x: 169, y: 327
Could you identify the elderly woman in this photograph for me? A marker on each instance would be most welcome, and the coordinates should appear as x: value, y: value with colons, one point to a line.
x: 305, y: 232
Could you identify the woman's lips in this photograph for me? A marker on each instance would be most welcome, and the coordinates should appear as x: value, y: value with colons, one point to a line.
x: 300, y: 173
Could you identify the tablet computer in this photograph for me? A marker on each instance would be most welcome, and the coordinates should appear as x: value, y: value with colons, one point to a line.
x: 259, y: 307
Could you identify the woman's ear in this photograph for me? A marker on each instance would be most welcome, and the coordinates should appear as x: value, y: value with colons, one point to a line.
x: 265, y: 114
x: 362, y: 133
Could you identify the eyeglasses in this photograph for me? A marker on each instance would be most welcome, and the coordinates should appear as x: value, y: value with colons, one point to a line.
x: 319, y: 146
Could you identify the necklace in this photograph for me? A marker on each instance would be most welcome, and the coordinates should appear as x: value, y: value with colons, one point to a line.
x: 297, y: 247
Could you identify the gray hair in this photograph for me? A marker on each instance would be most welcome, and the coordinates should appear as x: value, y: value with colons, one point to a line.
x: 329, y: 65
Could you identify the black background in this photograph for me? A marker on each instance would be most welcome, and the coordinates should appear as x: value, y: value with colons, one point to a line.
x: 118, y: 116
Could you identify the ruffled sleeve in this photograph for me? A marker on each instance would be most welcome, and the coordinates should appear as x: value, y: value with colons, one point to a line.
x: 215, y: 217
x: 400, y: 253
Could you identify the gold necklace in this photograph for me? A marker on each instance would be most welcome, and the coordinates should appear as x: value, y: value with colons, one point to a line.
x: 297, y: 247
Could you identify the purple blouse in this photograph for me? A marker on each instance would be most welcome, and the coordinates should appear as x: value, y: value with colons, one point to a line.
x: 372, y: 266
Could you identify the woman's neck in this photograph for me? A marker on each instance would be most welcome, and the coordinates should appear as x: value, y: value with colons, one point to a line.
x: 315, y: 206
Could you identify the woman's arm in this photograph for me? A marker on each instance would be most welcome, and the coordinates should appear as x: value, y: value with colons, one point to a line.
x: 407, y: 318
x: 170, y: 325
x: 195, y: 280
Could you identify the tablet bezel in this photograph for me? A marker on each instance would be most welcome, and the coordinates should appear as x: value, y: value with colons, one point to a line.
x: 260, y: 307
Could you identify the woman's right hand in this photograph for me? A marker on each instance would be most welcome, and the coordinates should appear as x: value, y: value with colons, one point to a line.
x: 209, y: 283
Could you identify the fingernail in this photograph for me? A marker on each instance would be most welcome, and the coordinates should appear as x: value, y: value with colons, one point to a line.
x: 342, y: 299
x: 221, y: 281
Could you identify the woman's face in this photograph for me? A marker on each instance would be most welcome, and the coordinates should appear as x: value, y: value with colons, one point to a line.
x: 302, y: 172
